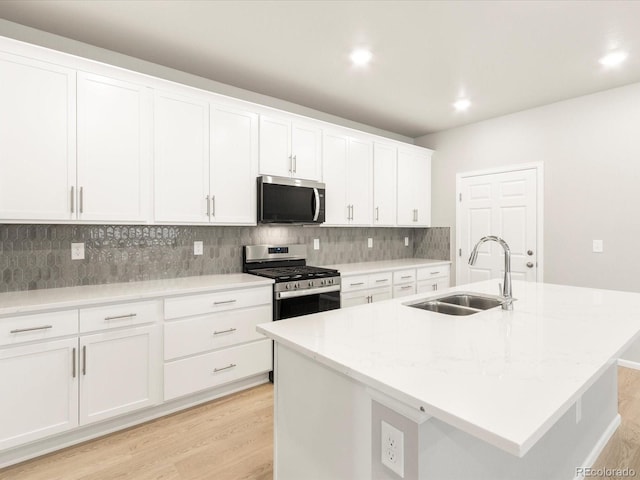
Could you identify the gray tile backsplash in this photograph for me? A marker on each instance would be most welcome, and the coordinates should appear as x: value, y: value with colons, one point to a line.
x: 39, y: 256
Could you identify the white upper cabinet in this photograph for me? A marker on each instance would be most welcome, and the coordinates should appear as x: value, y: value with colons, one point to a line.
x: 234, y: 160
x: 385, y: 161
x: 181, y: 158
x: 414, y: 188
x: 289, y: 148
x: 37, y: 139
x: 347, y: 164
x: 113, y: 149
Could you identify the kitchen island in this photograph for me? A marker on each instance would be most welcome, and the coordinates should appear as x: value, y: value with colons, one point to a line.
x: 529, y: 393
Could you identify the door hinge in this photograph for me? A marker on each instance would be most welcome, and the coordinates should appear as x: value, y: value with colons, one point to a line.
x: 459, y: 252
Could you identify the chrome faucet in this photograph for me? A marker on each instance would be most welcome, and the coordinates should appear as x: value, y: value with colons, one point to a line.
x: 507, y: 293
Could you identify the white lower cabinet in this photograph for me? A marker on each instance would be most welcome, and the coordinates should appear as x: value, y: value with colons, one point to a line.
x: 119, y: 372
x: 433, y: 278
x: 210, y: 339
x: 39, y: 390
x: 361, y: 289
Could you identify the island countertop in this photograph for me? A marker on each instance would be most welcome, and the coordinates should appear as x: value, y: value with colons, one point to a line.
x: 503, y: 376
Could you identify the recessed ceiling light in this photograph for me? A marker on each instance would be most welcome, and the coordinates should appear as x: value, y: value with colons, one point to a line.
x: 613, y: 59
x: 361, y: 56
x: 462, y: 104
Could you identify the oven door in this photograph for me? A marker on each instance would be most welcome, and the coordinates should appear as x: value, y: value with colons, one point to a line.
x: 305, y: 304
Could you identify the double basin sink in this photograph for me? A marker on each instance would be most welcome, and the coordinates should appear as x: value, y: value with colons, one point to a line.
x: 459, y: 303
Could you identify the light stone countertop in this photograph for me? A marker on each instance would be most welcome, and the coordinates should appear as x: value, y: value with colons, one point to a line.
x: 70, y: 297
x: 504, y: 377
x: 363, y: 268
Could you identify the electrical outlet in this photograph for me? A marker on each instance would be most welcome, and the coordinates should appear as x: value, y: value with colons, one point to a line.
x: 198, y: 248
x: 392, y: 448
x: 598, y: 246
x: 406, y: 241
x: 316, y: 244
x: 77, y: 251
x: 370, y: 242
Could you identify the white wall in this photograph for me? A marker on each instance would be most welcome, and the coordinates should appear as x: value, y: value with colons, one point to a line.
x: 590, y: 147
x: 73, y: 47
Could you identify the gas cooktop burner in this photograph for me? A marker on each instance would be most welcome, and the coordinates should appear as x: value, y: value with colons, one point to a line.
x: 294, y: 273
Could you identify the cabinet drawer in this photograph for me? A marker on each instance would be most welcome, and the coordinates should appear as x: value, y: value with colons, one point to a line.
x: 404, y: 276
x: 380, y: 279
x: 433, y: 272
x: 403, y: 290
x: 204, y: 303
x: 203, y: 334
x: 182, y: 377
x: 119, y: 315
x: 356, y: 282
x: 41, y: 326
x: 425, y: 286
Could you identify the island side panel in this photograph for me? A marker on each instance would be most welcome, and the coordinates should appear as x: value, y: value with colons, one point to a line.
x: 573, y: 442
x: 322, y: 421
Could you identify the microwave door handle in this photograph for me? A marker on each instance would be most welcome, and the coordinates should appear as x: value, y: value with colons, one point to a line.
x: 316, y: 195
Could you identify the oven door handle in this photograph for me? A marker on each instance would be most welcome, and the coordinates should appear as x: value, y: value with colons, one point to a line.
x: 306, y: 291
x: 316, y: 195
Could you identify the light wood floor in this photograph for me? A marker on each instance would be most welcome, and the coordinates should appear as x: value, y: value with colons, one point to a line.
x: 228, y: 439
x: 232, y: 439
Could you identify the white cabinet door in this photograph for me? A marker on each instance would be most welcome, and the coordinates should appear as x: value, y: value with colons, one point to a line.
x: 39, y: 391
x: 359, y: 168
x: 234, y: 157
x: 37, y: 139
x: 305, y: 148
x: 275, y: 146
x: 113, y: 148
x: 334, y: 175
x: 414, y: 189
x: 384, y: 184
x: 181, y: 159
x: 119, y: 372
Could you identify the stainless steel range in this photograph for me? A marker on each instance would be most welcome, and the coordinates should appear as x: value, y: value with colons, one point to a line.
x: 299, y: 289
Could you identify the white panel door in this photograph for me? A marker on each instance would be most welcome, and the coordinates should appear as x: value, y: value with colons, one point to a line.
x: 305, y: 148
x: 334, y: 175
x: 359, y: 169
x: 39, y: 391
x: 502, y: 204
x: 275, y: 146
x: 113, y: 148
x: 234, y: 160
x: 119, y: 372
x: 37, y: 139
x: 181, y: 159
x: 385, y: 163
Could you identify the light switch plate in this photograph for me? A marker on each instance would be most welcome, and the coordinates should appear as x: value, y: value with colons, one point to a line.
x: 316, y: 244
x: 198, y: 248
x: 406, y: 241
x: 77, y: 251
x: 370, y: 242
x: 598, y: 246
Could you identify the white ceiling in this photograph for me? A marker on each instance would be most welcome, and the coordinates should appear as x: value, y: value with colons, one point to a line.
x: 505, y: 56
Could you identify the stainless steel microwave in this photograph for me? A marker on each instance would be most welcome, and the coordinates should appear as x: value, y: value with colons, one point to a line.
x: 290, y: 200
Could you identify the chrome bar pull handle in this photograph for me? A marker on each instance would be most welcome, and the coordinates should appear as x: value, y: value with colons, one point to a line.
x: 73, y: 363
x: 356, y: 284
x: 377, y: 213
x: 225, y: 302
x: 73, y: 199
x: 81, y: 199
x: 406, y: 287
x: 291, y: 164
x: 231, y: 365
x: 224, y: 331
x: 208, y: 207
x: 213, y: 205
x: 119, y: 317
x: 84, y: 360
x: 32, y: 329
x: 316, y: 196
x: 295, y: 164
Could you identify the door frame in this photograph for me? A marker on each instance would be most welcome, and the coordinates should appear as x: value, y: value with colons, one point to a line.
x: 539, y: 169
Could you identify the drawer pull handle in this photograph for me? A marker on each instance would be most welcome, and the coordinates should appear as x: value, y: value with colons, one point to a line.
x: 224, y: 302
x: 32, y: 329
x: 119, y: 317
x: 73, y: 363
x: 406, y: 276
x: 434, y: 273
x: 383, y: 280
x: 224, y: 331
x: 84, y: 360
x: 231, y: 365
x: 405, y: 287
x: 356, y: 284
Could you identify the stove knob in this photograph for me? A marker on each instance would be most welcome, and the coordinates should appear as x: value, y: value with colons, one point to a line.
x: 330, y: 281
x: 322, y: 282
x: 296, y: 285
x: 311, y: 283
x: 287, y: 286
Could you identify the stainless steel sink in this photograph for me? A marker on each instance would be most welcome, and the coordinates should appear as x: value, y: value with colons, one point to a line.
x: 459, y: 303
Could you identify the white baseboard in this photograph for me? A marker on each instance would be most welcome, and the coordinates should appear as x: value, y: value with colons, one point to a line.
x: 628, y: 364
x: 600, y: 444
